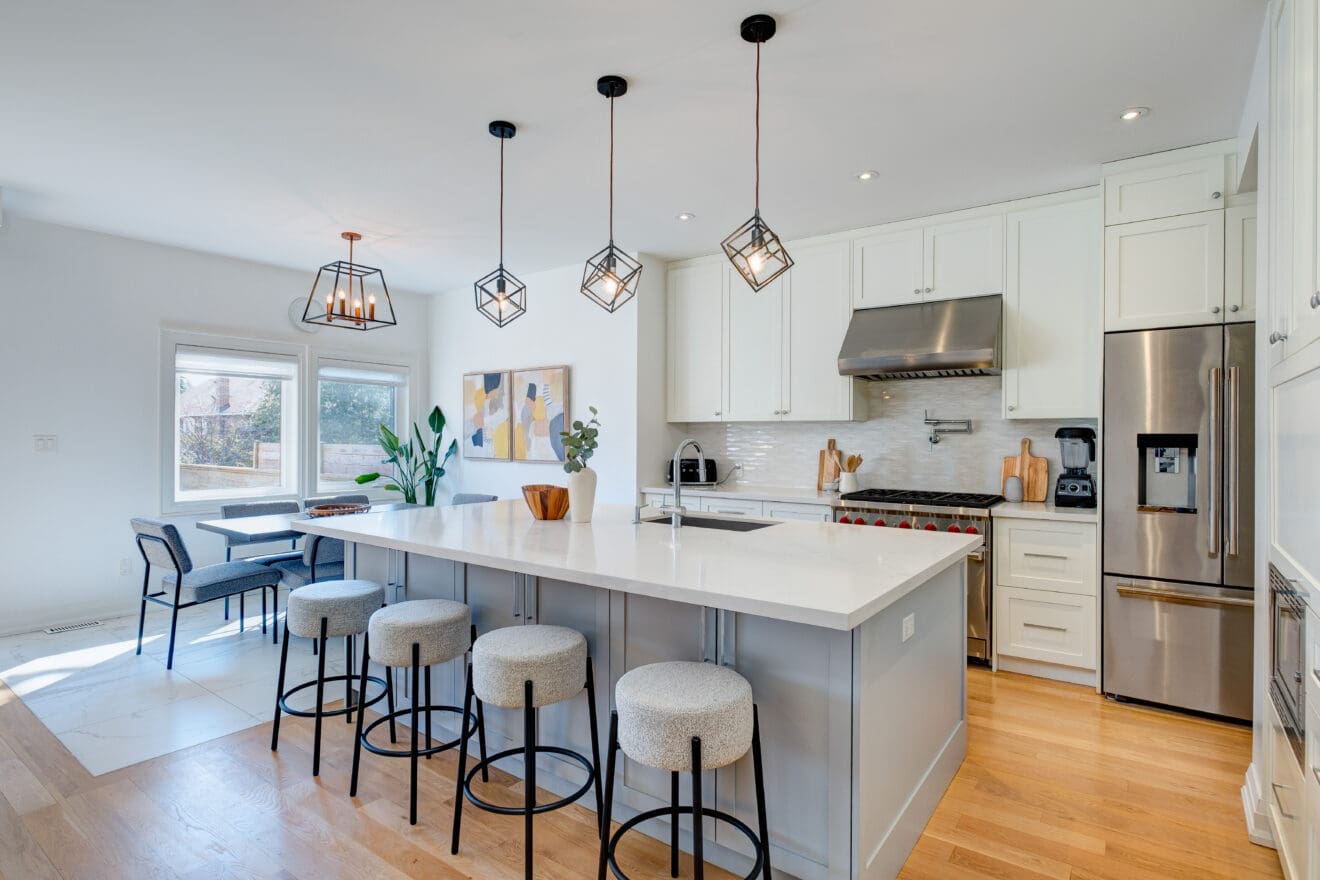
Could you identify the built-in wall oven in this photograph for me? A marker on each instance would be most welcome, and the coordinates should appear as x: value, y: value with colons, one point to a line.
x: 1288, y: 659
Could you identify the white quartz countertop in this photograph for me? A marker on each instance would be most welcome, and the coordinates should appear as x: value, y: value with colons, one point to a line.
x: 1044, y: 510
x: 782, y: 494
x: 819, y: 574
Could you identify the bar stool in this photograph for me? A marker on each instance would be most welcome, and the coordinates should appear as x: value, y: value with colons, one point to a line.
x: 420, y: 634
x: 684, y: 717
x: 321, y: 611
x: 530, y: 667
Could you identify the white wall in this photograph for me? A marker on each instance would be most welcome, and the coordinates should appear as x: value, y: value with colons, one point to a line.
x: 83, y: 313
x: 614, y: 362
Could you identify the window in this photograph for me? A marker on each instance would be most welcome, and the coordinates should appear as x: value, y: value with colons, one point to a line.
x: 235, y: 424
x: 353, y: 401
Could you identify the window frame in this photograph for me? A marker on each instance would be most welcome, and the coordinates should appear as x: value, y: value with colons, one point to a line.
x: 406, y: 403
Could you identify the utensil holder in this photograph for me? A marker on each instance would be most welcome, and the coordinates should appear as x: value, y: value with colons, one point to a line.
x: 847, y: 482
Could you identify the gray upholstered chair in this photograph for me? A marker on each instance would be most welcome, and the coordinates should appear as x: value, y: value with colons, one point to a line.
x: 322, y: 559
x: 183, y: 585
x: 255, y: 508
x: 473, y: 498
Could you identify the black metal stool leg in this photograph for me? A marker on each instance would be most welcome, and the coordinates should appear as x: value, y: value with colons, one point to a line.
x: 416, y: 675
x: 673, y: 824
x: 462, y: 765
x: 611, y: 747
x: 428, y: 712
x: 760, y: 795
x: 279, y: 691
x: 361, y: 715
x: 481, y: 738
x: 389, y: 699
x: 595, y: 735
x: 320, y: 699
x: 529, y: 776
x: 698, y: 853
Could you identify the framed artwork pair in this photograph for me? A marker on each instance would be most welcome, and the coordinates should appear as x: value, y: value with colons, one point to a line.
x: 515, y: 415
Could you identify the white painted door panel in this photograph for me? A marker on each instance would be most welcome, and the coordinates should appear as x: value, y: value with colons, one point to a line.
x: 696, y: 342
x: 1240, y: 264
x: 816, y: 313
x: 755, y: 346
x: 1165, y: 273
x: 964, y: 258
x: 887, y: 269
x: 796, y: 511
x: 1181, y: 188
x: 1049, y: 627
x: 730, y: 506
x: 1046, y: 555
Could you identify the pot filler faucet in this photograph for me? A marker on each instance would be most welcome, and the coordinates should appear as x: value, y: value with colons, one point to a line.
x: 677, y: 511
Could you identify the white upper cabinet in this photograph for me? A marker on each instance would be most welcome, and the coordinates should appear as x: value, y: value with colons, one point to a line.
x: 755, y: 344
x: 1165, y: 273
x: 887, y: 269
x: 1240, y: 263
x: 1304, y: 306
x: 697, y: 295
x: 1185, y: 187
x: 964, y: 258
x: 816, y: 314
x: 1279, y: 173
x: 1052, y: 310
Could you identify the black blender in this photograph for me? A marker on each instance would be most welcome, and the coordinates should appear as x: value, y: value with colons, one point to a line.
x: 1075, y: 487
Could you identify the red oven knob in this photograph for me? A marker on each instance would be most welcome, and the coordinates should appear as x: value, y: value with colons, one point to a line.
x: 844, y: 519
x: 954, y: 529
x: 878, y: 522
x: 972, y: 530
x: 860, y: 521
x: 905, y: 525
x: 931, y: 527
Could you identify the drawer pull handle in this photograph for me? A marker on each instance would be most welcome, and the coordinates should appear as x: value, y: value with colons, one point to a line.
x: 1062, y: 629
x: 1136, y: 592
x: 727, y: 512
x: 1045, y: 555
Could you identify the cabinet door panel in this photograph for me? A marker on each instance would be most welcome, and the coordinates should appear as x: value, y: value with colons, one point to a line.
x: 1167, y: 190
x: 1280, y: 171
x: 816, y: 317
x: 1052, y: 309
x: 1165, y: 273
x: 755, y: 352
x: 1240, y: 263
x: 964, y: 258
x: 496, y: 599
x: 887, y: 269
x: 1050, y: 627
x: 696, y: 342
x: 1305, y: 310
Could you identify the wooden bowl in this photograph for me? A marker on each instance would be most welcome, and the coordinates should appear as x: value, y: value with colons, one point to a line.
x: 545, y: 501
x: 337, y: 509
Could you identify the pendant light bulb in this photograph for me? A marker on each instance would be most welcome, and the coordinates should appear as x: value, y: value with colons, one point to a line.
x: 610, y: 276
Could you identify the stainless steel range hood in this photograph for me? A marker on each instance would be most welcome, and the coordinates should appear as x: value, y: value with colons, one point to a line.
x: 955, y: 337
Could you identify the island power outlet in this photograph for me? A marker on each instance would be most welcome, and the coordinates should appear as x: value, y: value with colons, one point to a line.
x: 909, y: 626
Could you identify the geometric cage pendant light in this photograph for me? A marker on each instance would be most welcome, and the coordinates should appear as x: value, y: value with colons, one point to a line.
x: 500, y: 296
x: 610, y: 276
x: 355, y: 296
x: 753, y: 248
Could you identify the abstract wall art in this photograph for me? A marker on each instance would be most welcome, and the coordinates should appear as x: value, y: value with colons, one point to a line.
x: 486, y: 424
x: 540, y: 413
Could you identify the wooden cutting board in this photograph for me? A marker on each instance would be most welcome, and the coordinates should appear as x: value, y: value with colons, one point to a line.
x: 1032, y: 470
x: 831, y: 462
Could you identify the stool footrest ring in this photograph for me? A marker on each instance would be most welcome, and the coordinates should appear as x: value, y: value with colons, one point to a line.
x: 539, y: 808
x: 403, y: 714
x: 668, y: 812
x: 329, y: 713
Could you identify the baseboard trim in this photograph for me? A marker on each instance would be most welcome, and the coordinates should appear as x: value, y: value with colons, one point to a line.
x: 1041, y: 669
x: 1254, y: 810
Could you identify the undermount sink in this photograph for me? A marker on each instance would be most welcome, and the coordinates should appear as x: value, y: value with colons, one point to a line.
x: 707, y: 522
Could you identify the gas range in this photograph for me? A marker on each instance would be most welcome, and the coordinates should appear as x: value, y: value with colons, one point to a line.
x: 944, y: 505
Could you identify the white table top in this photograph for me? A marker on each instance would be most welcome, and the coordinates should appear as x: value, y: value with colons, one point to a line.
x: 268, y: 527
x: 813, y: 573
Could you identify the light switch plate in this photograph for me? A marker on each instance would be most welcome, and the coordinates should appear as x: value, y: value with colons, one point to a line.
x: 45, y: 443
x: 909, y: 626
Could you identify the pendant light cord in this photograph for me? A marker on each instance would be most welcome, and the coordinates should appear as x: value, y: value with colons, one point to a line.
x: 757, y: 196
x: 611, y: 169
x: 502, y: 202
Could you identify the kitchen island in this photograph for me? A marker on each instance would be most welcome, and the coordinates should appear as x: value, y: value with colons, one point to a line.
x: 852, y: 639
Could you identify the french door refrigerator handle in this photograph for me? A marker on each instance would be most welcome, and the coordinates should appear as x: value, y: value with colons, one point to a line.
x: 1216, y: 481
x: 1234, y: 463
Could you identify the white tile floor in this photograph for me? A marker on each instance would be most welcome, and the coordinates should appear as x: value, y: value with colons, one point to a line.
x: 112, y: 708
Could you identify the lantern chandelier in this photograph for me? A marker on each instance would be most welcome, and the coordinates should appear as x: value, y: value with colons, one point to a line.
x: 355, y: 298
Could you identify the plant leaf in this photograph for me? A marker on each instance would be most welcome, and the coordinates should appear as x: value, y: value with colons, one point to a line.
x: 366, y: 478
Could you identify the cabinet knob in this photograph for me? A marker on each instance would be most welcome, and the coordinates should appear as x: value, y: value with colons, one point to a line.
x: 719, y: 414
x: 1234, y: 308
x: 929, y: 289
x: 917, y: 292
x: 1276, y: 336
x: 1215, y: 310
x: 1216, y: 195
x: 1012, y: 407
x: 1315, y: 300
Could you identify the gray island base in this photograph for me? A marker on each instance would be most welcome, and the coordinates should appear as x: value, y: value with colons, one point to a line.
x: 862, y: 729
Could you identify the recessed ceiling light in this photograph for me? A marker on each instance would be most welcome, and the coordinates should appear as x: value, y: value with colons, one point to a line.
x: 866, y: 175
x: 1132, y: 114
x: 685, y: 216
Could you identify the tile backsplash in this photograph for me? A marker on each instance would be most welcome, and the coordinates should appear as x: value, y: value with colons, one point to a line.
x: 894, y: 441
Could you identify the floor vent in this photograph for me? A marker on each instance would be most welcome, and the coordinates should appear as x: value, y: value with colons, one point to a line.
x: 86, y: 624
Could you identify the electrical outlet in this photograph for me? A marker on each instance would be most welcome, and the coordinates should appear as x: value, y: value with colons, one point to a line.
x: 125, y: 567
x: 45, y: 443
x: 909, y: 626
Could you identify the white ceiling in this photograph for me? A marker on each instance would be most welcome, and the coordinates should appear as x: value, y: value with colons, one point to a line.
x: 260, y: 129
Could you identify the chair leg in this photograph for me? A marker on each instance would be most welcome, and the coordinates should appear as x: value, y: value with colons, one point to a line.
x: 611, y: 748
x: 673, y: 824
x: 760, y: 795
x: 263, y: 610
x: 229, y: 556
x: 529, y: 776
x: 320, y: 700
x: 459, y: 793
x: 698, y: 852
x: 595, y: 734
x: 174, y: 626
x: 275, y: 615
x: 428, y: 711
x: 226, y: 604
x: 242, y: 612
x: 279, y: 692
x: 142, y: 613
x: 357, y: 738
x: 416, y: 676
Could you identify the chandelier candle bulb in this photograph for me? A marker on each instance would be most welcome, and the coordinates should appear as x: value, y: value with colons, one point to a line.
x: 329, y: 306
x: 371, y: 307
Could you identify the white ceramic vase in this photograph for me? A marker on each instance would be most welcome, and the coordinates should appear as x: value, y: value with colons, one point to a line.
x: 581, y: 495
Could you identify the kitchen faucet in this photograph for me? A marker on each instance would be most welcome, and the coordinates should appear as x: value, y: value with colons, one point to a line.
x: 676, y: 511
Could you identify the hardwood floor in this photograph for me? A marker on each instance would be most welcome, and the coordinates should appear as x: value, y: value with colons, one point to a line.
x: 1058, y: 783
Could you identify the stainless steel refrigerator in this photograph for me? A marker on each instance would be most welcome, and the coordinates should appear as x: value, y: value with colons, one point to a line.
x: 1179, y: 457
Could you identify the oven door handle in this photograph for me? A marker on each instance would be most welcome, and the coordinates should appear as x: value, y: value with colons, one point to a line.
x: 1159, y: 595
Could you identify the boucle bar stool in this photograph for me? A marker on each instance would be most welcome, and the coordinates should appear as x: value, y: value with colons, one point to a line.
x: 684, y: 717
x: 322, y: 611
x: 419, y: 634
x: 529, y: 667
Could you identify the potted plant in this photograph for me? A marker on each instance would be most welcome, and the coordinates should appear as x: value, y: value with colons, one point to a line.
x: 579, y: 445
x: 416, y: 466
